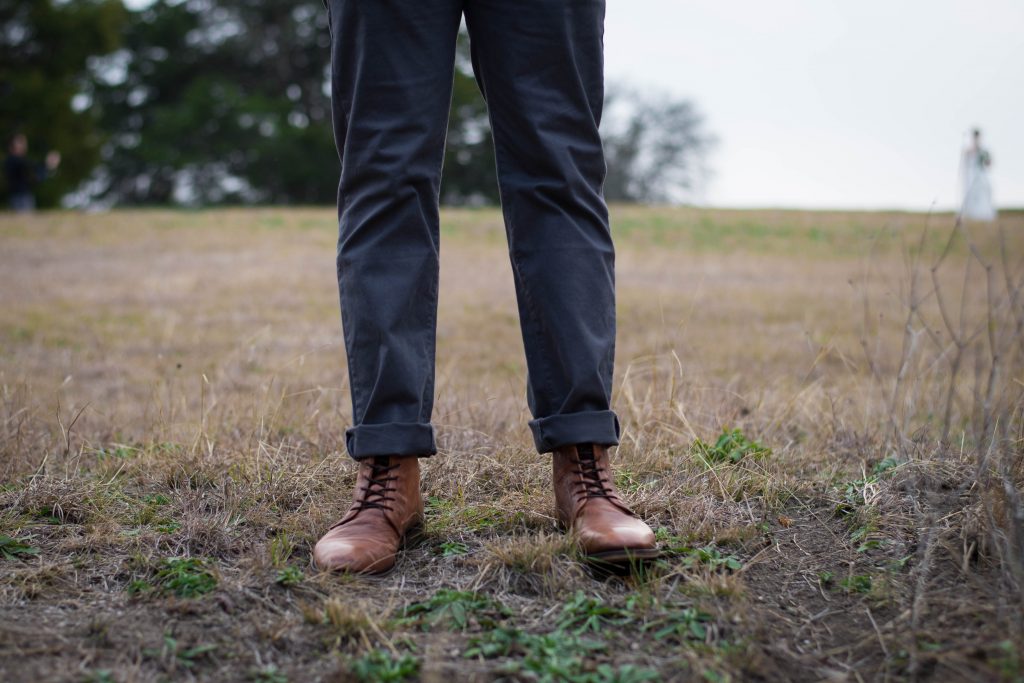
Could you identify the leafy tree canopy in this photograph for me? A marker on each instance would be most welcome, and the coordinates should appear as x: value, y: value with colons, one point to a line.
x: 45, y: 49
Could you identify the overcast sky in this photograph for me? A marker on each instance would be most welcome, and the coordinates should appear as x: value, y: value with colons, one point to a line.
x: 836, y: 103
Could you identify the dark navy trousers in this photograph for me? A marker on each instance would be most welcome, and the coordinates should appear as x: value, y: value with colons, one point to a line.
x: 539, y: 64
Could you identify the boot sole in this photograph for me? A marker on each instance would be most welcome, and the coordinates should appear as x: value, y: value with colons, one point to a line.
x: 413, y: 537
x: 623, y: 557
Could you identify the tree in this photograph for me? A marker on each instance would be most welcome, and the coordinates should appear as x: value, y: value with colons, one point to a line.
x: 216, y: 101
x: 45, y: 47
x: 656, y: 147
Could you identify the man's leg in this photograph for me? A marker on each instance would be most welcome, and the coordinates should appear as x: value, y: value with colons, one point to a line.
x: 392, y: 64
x: 540, y: 65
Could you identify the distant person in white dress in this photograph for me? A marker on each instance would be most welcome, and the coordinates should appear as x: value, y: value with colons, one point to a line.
x: 977, y: 191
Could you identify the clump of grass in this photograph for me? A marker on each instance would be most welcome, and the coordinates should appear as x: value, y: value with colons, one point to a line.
x: 536, y: 554
x: 732, y: 446
x: 281, y: 549
x: 347, y: 620
x: 857, y: 504
x: 184, y: 577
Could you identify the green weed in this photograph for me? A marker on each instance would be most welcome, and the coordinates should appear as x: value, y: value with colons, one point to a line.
x: 269, y: 674
x: 732, y: 446
x: 857, y: 504
x: 289, y: 576
x: 551, y: 657
x: 12, y: 548
x: 380, y: 666
x: 689, y: 623
x: 185, y: 577
x: 187, y: 657
x: 711, y: 557
x: 1010, y: 662
x: 858, y: 583
x: 453, y: 610
x: 116, y: 451
x: 453, y: 548
x: 583, y: 613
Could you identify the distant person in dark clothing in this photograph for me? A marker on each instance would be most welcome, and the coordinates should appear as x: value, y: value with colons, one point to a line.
x: 22, y: 174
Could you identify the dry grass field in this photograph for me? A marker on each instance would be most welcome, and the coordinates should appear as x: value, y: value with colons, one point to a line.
x: 821, y: 417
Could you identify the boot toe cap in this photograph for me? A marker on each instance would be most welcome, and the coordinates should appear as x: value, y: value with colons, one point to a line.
x: 339, y: 555
x: 626, y: 534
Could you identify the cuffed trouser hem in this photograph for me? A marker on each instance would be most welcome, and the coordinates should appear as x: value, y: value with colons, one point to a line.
x: 392, y: 438
x: 598, y: 426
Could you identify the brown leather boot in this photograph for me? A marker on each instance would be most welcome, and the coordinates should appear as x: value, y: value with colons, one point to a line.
x: 586, y: 502
x: 386, y: 511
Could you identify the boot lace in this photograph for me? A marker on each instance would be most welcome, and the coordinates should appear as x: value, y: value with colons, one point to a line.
x: 591, y: 482
x: 374, y: 492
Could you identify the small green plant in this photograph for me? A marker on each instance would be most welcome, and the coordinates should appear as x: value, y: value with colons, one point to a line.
x: 116, y: 451
x: 731, y: 446
x: 583, y: 613
x: 290, y: 576
x: 269, y: 674
x: 99, y: 676
x: 856, y: 505
x: 547, y: 657
x: 453, y: 548
x: 711, y: 557
x: 12, y: 548
x: 855, y: 493
x: 1009, y: 662
x: 185, y: 577
x: 149, y: 514
x: 671, y: 544
x: 187, y: 657
x: 168, y: 526
x: 627, y: 673
x: 453, y: 610
x: 858, y: 583
x: 380, y: 666
x: 688, y: 623
x: 708, y: 556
